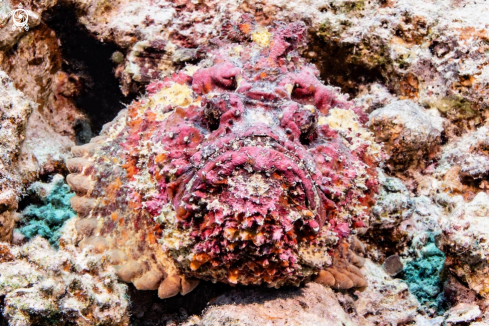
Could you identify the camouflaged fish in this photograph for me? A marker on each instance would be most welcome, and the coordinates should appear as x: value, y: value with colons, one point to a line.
x: 245, y: 169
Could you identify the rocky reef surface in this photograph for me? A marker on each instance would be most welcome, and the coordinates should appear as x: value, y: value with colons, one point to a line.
x: 416, y: 73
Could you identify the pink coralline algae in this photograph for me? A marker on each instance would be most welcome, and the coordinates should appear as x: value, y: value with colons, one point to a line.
x: 245, y: 169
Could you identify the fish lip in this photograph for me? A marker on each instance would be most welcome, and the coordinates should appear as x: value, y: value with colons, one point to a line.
x: 274, y: 142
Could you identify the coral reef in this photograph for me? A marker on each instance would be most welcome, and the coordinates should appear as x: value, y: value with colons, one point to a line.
x: 434, y: 54
x: 15, y: 107
x: 464, y: 240
x: 47, y: 219
x: 235, y: 121
x: 407, y: 131
x: 41, y: 286
x: 291, y: 307
x: 393, y: 204
x: 244, y: 170
x: 384, y: 296
x: 385, y: 301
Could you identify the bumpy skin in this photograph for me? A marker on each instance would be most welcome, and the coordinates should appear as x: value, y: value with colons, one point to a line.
x: 245, y: 170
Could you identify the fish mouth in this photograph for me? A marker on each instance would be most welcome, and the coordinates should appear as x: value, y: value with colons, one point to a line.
x: 247, y: 209
x: 258, y: 154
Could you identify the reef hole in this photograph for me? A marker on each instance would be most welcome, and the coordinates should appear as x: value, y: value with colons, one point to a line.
x: 332, y: 60
x: 147, y: 309
x: 101, y: 98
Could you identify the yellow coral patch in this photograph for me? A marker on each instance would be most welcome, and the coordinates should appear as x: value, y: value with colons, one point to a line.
x: 175, y: 95
x: 289, y: 88
x: 237, y: 50
x: 190, y: 69
x: 347, y: 121
x: 311, y: 108
x: 262, y: 37
x: 341, y: 120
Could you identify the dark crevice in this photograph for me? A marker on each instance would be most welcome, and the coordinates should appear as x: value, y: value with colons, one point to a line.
x: 147, y: 309
x: 385, y: 243
x: 83, y: 55
x: 32, y: 198
x: 335, y: 68
x: 3, y: 320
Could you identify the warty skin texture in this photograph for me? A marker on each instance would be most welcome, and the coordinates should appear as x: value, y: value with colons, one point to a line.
x: 245, y: 169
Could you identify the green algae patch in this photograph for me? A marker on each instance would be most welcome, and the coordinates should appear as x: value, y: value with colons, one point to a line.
x: 424, y: 276
x: 455, y: 108
x: 47, y: 219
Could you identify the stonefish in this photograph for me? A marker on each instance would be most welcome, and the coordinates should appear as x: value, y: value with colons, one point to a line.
x: 245, y: 169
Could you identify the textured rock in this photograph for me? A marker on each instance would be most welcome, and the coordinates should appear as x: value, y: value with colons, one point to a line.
x: 462, y: 312
x: 432, y: 53
x: 43, y: 286
x: 44, y: 150
x: 391, y: 221
x: 9, y: 35
x: 407, y: 131
x: 373, y: 96
x: 313, y: 304
x: 393, y: 204
x: 385, y: 301
x: 426, y: 217
x: 469, y: 154
x: 35, y: 66
x: 158, y: 37
x: 410, y: 236
x: 464, y: 241
x: 15, y: 108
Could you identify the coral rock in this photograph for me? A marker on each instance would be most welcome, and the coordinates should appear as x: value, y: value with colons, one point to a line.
x: 15, y: 108
x: 407, y: 131
x: 290, y: 307
x: 385, y: 301
x: 35, y: 66
x: 463, y: 312
x: 41, y: 286
x: 393, y: 205
x: 464, y: 234
x: 7, y: 224
x: 468, y: 153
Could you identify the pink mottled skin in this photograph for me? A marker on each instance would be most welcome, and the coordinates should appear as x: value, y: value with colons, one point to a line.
x: 219, y: 76
x: 249, y: 172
